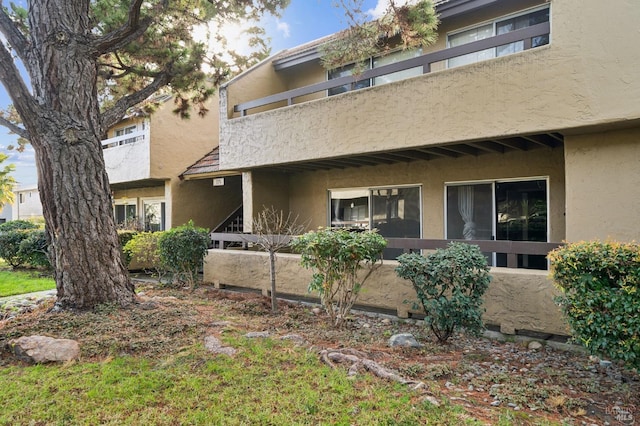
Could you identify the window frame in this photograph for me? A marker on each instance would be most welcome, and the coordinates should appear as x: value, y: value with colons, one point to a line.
x: 494, y: 22
x: 371, y: 65
x: 125, y: 202
x: 493, y: 183
x: 370, y: 190
x: 163, y: 212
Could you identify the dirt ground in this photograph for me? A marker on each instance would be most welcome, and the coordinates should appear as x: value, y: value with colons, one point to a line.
x: 484, y: 376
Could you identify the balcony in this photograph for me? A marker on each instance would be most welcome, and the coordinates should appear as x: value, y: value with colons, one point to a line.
x: 525, y: 36
x: 496, y: 104
x: 127, y: 157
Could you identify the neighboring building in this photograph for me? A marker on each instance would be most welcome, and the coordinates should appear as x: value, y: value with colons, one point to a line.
x: 144, y: 156
x: 26, y: 204
x: 521, y: 123
x: 5, y: 213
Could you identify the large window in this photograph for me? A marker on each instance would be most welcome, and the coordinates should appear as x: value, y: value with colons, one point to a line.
x: 154, y: 215
x: 391, y: 58
x: 394, y: 211
x: 498, y: 27
x: 515, y: 210
x: 126, y: 214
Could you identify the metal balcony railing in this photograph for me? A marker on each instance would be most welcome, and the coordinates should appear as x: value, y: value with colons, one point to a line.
x: 139, y: 135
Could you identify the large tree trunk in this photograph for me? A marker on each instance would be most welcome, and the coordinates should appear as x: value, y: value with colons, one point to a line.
x: 72, y: 179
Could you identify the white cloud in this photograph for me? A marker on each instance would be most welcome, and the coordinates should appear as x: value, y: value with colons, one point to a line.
x: 381, y: 7
x: 284, y: 28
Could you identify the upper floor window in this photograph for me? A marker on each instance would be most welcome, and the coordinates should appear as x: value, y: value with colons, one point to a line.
x: 345, y: 71
x: 497, y: 27
x: 126, y: 131
x: 391, y: 58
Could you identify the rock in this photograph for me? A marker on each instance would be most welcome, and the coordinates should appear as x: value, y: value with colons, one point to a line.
x: 43, y: 349
x: 212, y: 344
x: 405, y: 340
x: 257, y: 335
x: 534, y: 344
x: 495, y: 403
x: 296, y: 338
x: 316, y: 311
x: 149, y: 305
x: 386, y: 321
x: 433, y: 400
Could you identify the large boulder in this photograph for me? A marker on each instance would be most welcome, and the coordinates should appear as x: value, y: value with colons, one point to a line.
x: 43, y: 349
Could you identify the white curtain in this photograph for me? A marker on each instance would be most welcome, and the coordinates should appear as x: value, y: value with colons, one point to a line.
x: 465, y: 207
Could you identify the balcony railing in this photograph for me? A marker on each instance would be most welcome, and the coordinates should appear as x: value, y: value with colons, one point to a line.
x: 511, y: 248
x: 139, y: 135
x: 525, y: 35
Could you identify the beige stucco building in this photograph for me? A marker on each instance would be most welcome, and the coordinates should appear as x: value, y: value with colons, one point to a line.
x: 521, y: 123
x: 145, y: 156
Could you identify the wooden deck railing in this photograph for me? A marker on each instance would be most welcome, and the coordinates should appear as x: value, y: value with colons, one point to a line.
x: 511, y: 248
x: 525, y: 35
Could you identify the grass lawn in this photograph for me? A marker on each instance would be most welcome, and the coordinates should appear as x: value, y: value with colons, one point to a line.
x: 269, y: 383
x: 20, y: 282
x: 147, y: 365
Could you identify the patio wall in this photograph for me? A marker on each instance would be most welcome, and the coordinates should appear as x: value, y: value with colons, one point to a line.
x: 517, y: 299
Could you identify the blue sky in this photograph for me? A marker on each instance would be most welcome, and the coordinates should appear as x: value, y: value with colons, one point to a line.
x: 301, y: 22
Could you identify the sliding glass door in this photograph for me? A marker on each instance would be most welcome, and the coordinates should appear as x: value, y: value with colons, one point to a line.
x: 393, y: 211
x: 501, y: 210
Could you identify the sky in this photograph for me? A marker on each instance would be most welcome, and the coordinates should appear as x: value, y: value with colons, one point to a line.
x: 301, y: 22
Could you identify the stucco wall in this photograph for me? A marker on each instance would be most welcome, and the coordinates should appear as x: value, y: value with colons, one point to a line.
x: 178, y: 143
x: 26, y: 205
x: 264, y: 190
x: 516, y: 299
x: 205, y: 204
x: 603, y: 185
x: 309, y: 197
x: 583, y: 78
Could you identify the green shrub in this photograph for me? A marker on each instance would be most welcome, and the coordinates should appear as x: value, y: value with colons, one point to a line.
x: 336, y: 256
x: 13, y: 225
x: 33, y: 249
x: 124, y: 236
x: 599, y: 282
x: 10, y: 246
x: 182, y: 251
x: 450, y: 284
x: 143, y: 250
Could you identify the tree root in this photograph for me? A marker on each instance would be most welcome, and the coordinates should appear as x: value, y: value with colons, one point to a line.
x: 358, y: 360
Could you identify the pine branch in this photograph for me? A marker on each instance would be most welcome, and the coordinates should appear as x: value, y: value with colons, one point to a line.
x: 16, y: 88
x: 13, y: 35
x: 130, y: 31
x: 14, y: 128
x: 114, y: 114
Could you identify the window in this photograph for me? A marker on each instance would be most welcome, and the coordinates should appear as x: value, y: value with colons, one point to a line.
x: 154, y: 215
x: 500, y: 210
x: 345, y: 71
x: 394, y: 211
x: 125, y: 215
x: 391, y: 58
x: 126, y: 131
x: 498, y: 27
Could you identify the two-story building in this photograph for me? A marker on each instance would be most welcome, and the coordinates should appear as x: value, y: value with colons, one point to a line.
x: 145, y: 155
x: 521, y: 123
